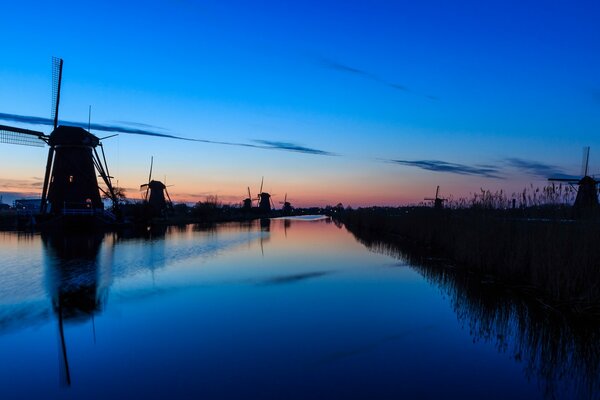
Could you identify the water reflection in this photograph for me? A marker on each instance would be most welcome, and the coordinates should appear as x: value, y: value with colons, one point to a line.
x: 74, y: 283
x: 184, y: 312
x: 561, y: 353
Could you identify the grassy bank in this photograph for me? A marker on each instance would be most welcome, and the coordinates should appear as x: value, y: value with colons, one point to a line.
x: 534, y: 249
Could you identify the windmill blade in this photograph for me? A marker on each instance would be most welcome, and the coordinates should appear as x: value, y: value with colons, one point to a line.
x: 437, y: 192
x: 57, y: 65
x: 25, y: 137
x: 262, y: 180
x: 151, y: 164
x: 149, y: 178
x: 586, y: 160
x: 249, y: 196
x: 429, y: 199
x: 285, y: 198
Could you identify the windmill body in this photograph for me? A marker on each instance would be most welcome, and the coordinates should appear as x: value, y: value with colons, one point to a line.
x: 587, y: 194
x: 287, y: 208
x: 156, y: 199
x: 247, y: 203
x: 438, y: 202
x: 263, y: 199
x: 586, y: 201
x: 156, y: 196
x: 264, y: 202
x: 72, y: 184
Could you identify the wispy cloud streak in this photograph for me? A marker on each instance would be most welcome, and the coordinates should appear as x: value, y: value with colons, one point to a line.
x: 337, y: 66
x: 487, y: 171
x: 139, y: 130
x: 534, y: 168
x: 268, y: 144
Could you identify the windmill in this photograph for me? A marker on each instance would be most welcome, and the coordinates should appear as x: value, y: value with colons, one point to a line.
x: 438, y: 202
x: 154, y: 196
x: 70, y: 180
x: 587, y: 192
x: 264, y: 199
x: 287, y: 206
x: 247, y: 204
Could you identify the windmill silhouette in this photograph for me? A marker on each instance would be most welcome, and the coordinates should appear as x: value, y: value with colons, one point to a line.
x: 156, y: 195
x: 438, y: 202
x: 287, y: 206
x: 247, y: 203
x: 70, y: 185
x: 264, y: 199
x: 587, y: 191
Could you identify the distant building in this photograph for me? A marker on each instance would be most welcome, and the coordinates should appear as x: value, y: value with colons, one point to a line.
x: 4, y: 207
x: 32, y: 205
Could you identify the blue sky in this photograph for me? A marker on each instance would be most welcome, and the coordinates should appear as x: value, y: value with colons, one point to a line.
x: 473, y: 84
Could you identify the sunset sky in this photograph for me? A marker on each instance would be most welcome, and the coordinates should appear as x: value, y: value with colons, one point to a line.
x: 364, y: 103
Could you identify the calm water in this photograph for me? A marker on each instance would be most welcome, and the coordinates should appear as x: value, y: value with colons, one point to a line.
x: 282, y: 309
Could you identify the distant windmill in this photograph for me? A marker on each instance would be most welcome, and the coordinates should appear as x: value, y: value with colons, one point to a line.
x: 70, y: 182
x: 247, y: 204
x: 438, y: 202
x: 156, y: 195
x: 587, y: 192
x: 264, y: 199
x: 287, y: 206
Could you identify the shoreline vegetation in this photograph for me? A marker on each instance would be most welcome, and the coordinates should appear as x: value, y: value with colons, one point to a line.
x: 541, y: 247
x: 533, y: 241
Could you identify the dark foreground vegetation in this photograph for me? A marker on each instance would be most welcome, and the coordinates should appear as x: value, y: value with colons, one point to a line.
x: 538, y: 249
x: 559, y: 349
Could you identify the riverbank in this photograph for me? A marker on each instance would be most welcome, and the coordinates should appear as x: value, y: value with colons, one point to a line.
x: 555, y: 259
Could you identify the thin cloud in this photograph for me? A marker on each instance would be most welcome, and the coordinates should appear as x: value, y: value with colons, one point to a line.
x: 141, y: 125
x: 327, y: 63
x: 535, y: 168
x: 268, y: 144
x: 263, y: 144
x: 7, y: 183
x: 453, y: 168
x: 338, y: 66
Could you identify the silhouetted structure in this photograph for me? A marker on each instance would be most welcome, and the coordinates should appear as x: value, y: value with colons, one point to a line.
x: 264, y: 199
x: 70, y: 185
x: 438, y: 202
x: 287, y: 206
x: 247, y: 203
x: 156, y: 196
x: 586, y: 201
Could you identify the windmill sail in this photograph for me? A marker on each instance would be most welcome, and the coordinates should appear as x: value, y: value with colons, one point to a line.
x: 57, y: 64
x: 586, y: 161
x: 24, y: 137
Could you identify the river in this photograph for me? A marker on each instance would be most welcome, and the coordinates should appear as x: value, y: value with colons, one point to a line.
x: 282, y: 308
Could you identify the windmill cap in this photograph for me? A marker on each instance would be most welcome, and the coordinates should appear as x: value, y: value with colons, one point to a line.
x: 157, y: 185
x: 72, y: 136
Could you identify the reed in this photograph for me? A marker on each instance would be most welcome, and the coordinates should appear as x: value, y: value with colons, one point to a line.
x: 536, y: 245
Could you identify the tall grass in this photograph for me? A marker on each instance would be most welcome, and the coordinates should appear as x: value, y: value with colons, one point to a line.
x: 533, y: 245
x: 561, y: 352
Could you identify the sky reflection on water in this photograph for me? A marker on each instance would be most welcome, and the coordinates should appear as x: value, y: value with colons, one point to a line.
x: 285, y: 309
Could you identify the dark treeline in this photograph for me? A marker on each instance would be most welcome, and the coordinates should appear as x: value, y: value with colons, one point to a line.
x: 562, y: 353
x: 536, y: 249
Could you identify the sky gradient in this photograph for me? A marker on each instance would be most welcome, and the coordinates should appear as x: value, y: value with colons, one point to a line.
x: 354, y: 102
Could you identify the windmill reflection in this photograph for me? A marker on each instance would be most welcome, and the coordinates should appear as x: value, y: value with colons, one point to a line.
x: 75, y: 282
